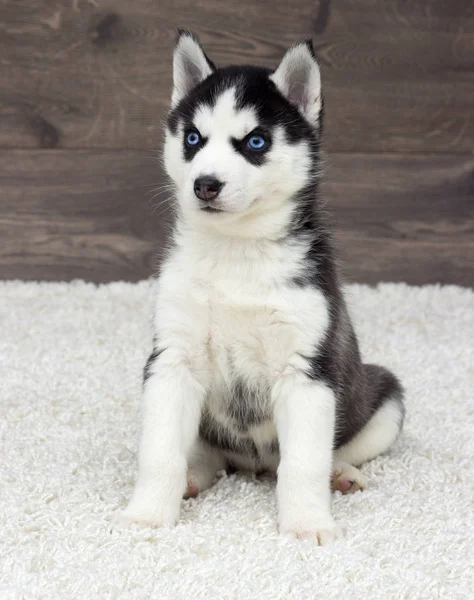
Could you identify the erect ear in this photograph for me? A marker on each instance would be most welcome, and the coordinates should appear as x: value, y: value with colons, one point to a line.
x: 298, y: 78
x: 190, y: 65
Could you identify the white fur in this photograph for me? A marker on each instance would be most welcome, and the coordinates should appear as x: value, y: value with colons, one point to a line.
x: 305, y: 416
x: 203, y: 464
x: 190, y: 67
x: 71, y: 356
x: 206, y: 310
x: 343, y: 473
x: 225, y: 291
x: 171, y: 409
x: 378, y: 435
x: 299, y: 79
x: 255, y: 198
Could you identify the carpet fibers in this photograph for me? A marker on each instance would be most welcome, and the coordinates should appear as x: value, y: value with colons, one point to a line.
x: 71, y: 357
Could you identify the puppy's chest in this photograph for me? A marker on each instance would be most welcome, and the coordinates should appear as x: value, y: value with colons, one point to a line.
x: 250, y: 340
x: 241, y: 328
x: 253, y: 335
x: 250, y: 334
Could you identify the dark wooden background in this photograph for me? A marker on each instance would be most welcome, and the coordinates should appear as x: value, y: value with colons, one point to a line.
x: 84, y: 86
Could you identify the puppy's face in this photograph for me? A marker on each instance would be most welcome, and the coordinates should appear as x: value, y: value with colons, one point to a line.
x: 240, y: 140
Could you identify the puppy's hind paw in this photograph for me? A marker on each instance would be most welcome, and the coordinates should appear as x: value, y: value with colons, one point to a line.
x: 347, y: 479
x: 192, y: 490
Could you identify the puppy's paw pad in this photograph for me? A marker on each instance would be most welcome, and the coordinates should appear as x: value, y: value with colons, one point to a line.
x: 347, y: 486
x: 347, y: 480
x: 192, y: 491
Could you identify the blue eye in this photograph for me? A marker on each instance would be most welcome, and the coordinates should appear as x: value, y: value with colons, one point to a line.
x: 256, y: 142
x: 193, y: 138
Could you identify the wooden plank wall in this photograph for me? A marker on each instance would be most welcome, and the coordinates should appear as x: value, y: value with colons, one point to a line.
x: 84, y: 86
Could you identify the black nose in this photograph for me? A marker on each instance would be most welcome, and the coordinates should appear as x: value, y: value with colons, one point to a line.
x: 207, y: 188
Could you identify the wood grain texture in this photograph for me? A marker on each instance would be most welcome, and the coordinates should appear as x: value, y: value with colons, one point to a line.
x: 398, y: 75
x: 87, y: 214
x: 79, y: 214
x: 404, y: 218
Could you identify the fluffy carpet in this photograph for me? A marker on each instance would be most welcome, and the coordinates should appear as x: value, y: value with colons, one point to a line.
x: 71, y: 357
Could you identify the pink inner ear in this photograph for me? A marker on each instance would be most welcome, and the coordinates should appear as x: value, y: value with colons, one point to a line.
x: 193, y: 73
x: 298, y: 79
x: 297, y: 86
x: 190, y: 66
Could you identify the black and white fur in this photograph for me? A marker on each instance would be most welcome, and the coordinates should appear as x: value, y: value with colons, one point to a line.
x: 256, y: 364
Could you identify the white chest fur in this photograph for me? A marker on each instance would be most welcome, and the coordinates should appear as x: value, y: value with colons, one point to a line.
x: 233, y: 315
x: 234, y: 307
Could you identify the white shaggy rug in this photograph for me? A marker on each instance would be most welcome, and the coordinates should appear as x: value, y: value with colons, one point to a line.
x: 71, y: 357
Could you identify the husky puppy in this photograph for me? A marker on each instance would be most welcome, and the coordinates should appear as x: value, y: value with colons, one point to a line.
x: 256, y: 364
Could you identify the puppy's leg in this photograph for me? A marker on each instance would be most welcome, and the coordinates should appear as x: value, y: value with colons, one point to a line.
x: 304, y: 415
x: 172, y: 400
x: 203, y: 464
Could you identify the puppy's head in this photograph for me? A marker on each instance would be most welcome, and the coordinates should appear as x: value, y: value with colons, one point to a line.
x: 241, y: 140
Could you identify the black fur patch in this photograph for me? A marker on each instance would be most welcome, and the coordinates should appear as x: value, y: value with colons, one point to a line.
x: 242, y: 406
x: 220, y: 437
x: 359, y: 389
x: 151, y: 359
x: 256, y: 157
x: 252, y: 85
x: 191, y: 151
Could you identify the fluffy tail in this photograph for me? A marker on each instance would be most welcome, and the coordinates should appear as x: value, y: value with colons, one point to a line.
x: 386, y: 422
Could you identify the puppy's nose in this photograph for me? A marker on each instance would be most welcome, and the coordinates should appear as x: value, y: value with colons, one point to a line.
x: 207, y: 188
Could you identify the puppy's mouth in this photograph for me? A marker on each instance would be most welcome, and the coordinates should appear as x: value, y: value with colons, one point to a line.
x: 211, y: 209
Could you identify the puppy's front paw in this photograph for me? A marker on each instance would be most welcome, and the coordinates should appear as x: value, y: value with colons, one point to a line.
x: 124, y: 520
x: 322, y: 531
x: 151, y: 516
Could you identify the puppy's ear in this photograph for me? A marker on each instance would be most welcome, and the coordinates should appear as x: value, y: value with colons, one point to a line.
x: 190, y: 65
x: 298, y: 78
